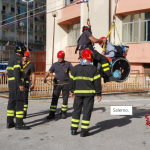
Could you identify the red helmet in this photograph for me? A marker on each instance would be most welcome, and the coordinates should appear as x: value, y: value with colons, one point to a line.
x: 86, y: 28
x: 61, y: 54
x: 87, y: 54
x: 101, y: 39
x: 27, y: 54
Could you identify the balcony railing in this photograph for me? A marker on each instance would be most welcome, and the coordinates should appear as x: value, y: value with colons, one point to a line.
x: 38, y: 41
x: 40, y: 20
x: 4, y: 38
x: 4, y: 12
x: 41, y: 1
x: 20, y: 3
x: 8, y: 1
x: 40, y: 31
x: 67, y: 2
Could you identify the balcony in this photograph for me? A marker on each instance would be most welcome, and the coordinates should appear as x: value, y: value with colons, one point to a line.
x: 20, y: 3
x: 10, y: 26
x: 67, y: 2
x: 70, y: 15
x: 19, y: 16
x: 4, y: 12
x: 38, y: 41
x: 41, y: 1
x: 40, y: 32
x: 8, y: 1
x: 38, y: 10
x: 4, y: 38
x: 40, y: 21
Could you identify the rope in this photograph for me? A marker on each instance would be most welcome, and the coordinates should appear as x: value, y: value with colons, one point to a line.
x: 50, y: 83
x: 88, y: 19
x: 112, y: 26
x: 37, y: 14
x: 104, y: 46
x: 118, y: 34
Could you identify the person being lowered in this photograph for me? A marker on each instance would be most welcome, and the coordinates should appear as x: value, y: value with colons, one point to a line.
x: 86, y: 40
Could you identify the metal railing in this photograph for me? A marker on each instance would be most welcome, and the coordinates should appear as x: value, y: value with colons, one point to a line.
x: 67, y: 2
x: 136, y: 82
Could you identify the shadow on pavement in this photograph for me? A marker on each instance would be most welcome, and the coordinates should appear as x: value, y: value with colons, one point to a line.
x: 57, y: 116
x: 109, y: 124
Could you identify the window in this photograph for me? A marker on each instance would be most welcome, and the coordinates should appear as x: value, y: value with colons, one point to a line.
x: 4, y: 7
x: 136, y: 27
x: 73, y: 34
x: 3, y: 34
x: 31, y: 26
x: 35, y: 37
x: 67, y: 2
x: 12, y: 9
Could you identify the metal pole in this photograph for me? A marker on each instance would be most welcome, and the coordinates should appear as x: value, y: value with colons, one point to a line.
x: 53, y: 40
x: 22, y: 35
x: 27, y: 25
x: 2, y: 52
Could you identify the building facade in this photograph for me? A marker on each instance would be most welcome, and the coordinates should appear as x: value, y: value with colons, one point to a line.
x: 36, y: 26
x: 132, y: 22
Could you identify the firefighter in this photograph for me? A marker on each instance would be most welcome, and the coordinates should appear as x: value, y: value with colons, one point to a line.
x: 61, y: 82
x: 16, y: 89
x: 84, y: 85
x: 29, y: 69
x: 86, y: 40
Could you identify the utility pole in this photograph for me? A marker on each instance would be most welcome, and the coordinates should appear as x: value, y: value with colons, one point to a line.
x: 27, y: 1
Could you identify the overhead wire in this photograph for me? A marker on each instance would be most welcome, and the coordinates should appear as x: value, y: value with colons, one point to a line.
x: 29, y: 11
x: 35, y: 15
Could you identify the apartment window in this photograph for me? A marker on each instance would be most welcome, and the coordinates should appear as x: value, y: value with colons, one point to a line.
x: 12, y: 9
x: 4, y: 7
x: 40, y: 28
x: 36, y: 6
x: 136, y: 27
x: 31, y: 26
x: 35, y: 27
x: 3, y: 33
x: 69, y: 1
x: 73, y: 34
x: 35, y: 37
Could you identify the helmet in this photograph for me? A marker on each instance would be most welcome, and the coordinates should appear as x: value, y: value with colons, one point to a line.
x: 88, y: 55
x: 20, y: 48
x: 27, y: 54
x: 61, y: 54
x: 102, y: 39
x: 86, y: 28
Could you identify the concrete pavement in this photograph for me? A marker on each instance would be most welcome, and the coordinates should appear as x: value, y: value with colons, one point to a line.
x: 106, y: 132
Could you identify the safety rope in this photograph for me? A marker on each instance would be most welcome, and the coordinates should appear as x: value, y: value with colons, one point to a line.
x: 118, y: 34
x: 115, y: 28
x: 88, y: 19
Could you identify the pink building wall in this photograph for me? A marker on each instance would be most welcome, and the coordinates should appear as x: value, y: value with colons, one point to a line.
x: 71, y: 56
x: 139, y: 53
x: 70, y: 15
x: 132, y: 6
